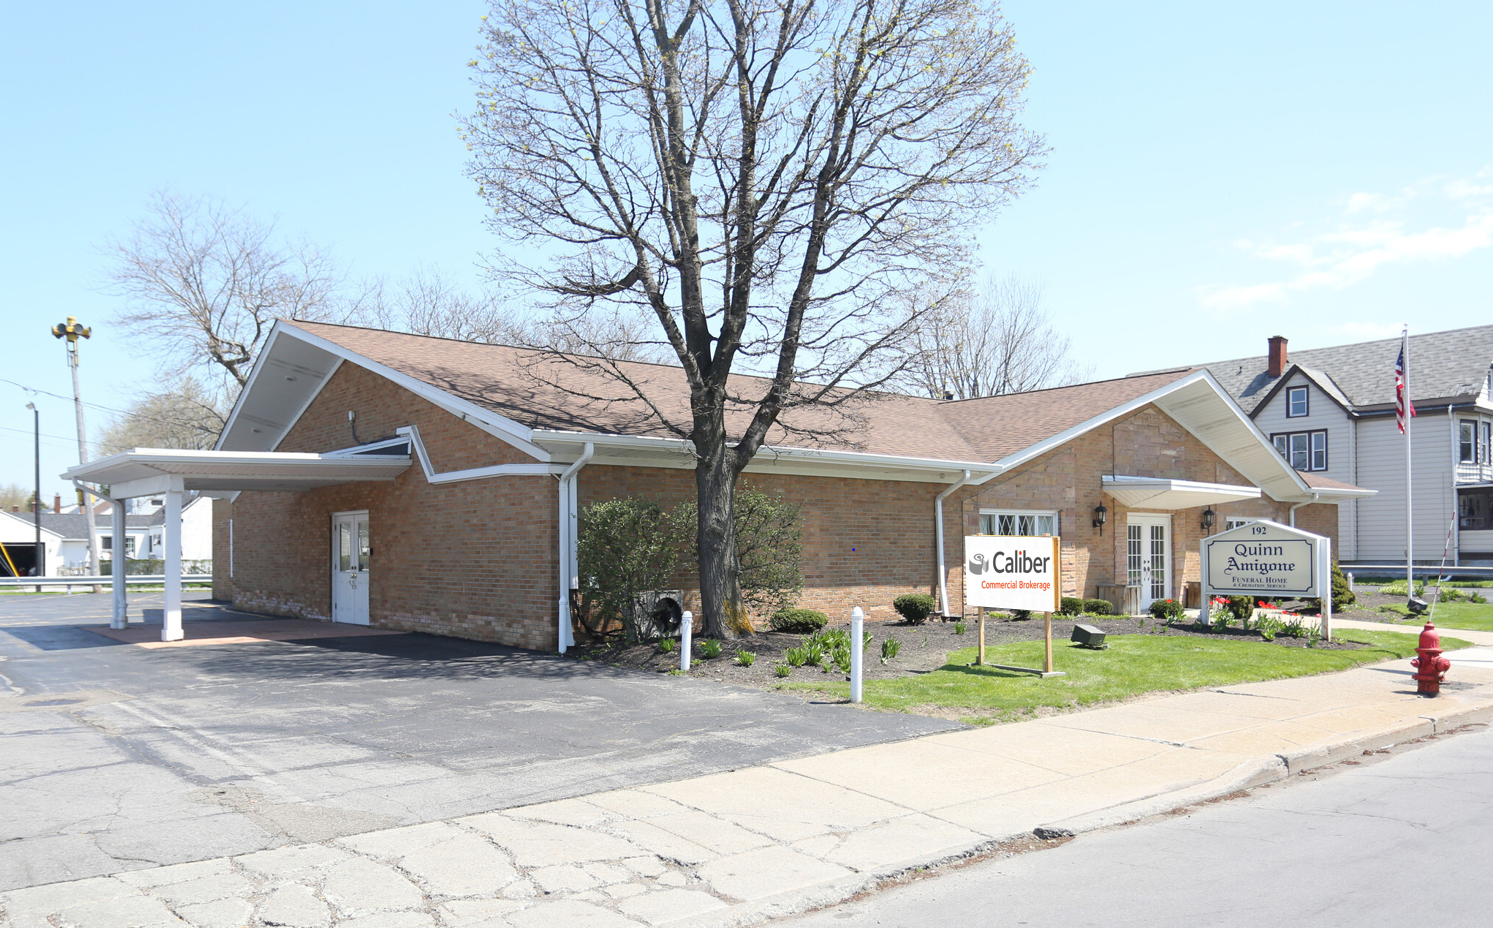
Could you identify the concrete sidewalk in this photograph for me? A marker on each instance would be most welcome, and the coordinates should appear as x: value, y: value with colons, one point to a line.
x: 741, y: 847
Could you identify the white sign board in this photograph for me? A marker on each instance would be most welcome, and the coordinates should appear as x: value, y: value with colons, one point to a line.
x: 1267, y: 559
x: 1013, y: 572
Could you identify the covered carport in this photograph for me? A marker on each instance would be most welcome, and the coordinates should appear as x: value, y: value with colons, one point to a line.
x: 172, y: 474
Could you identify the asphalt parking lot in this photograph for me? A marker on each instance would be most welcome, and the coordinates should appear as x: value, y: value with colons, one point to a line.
x: 116, y: 757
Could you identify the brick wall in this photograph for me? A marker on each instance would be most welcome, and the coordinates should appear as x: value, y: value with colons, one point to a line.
x: 474, y: 559
x: 477, y: 559
x: 1147, y: 443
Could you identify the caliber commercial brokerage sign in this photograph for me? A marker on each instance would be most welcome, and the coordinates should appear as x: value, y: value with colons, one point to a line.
x: 1266, y: 559
x: 1012, y: 572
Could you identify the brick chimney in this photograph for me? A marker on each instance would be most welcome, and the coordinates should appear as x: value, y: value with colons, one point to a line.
x: 1277, y: 355
x: 57, y: 503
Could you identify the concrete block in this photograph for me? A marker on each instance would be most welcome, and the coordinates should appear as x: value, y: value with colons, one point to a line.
x: 767, y: 872
x: 670, y: 905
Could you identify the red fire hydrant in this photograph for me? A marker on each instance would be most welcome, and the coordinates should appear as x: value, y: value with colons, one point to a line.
x: 1431, y: 666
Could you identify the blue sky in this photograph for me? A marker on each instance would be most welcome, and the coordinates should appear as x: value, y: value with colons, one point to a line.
x: 1219, y: 174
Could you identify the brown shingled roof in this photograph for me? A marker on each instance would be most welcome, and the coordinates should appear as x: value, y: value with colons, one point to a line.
x: 539, y: 390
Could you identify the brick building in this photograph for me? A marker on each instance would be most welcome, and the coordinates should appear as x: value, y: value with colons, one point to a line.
x: 477, y: 458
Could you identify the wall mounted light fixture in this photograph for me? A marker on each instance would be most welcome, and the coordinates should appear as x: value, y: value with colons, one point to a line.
x: 1100, y: 516
x: 1209, y: 517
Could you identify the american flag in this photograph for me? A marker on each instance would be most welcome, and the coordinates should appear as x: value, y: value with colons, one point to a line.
x: 1402, y: 402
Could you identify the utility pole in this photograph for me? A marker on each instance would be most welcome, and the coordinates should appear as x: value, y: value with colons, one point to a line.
x: 36, y: 562
x: 72, y: 331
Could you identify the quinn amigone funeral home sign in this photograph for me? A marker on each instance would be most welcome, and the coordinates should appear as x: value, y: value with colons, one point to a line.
x: 1266, y: 558
x: 1014, y: 572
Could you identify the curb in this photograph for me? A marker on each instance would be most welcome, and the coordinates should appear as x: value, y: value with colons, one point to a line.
x: 1250, y: 774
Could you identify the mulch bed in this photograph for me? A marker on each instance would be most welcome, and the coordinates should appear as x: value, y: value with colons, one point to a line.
x: 924, y: 647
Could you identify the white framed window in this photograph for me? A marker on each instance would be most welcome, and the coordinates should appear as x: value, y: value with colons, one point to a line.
x: 1487, y: 442
x: 1467, y: 441
x: 129, y: 546
x: 1305, y: 450
x: 1018, y: 522
x: 1296, y: 403
x: 1236, y: 523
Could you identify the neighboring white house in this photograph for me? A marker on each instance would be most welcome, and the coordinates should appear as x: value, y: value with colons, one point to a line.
x: 1331, y: 413
x: 65, y: 537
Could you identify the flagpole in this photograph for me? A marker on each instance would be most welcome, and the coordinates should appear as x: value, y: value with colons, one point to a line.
x: 1409, y: 498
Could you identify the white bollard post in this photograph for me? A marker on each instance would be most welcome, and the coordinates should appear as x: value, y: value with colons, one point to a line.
x: 857, y: 649
x: 1349, y: 577
x: 686, y: 632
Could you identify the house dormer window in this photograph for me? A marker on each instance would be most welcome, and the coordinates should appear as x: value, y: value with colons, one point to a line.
x: 1296, y: 404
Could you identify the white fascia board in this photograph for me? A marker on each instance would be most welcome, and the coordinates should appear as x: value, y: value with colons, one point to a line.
x: 238, y: 404
x: 412, y: 435
x: 1243, y: 418
x: 1331, y: 493
x: 802, y: 459
x: 498, y: 426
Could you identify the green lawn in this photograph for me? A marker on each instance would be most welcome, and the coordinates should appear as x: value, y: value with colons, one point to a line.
x: 1133, y: 664
x: 1476, y: 617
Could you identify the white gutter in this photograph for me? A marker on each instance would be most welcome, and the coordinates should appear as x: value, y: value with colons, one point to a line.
x: 943, y: 575
x: 1316, y: 495
x: 567, y: 532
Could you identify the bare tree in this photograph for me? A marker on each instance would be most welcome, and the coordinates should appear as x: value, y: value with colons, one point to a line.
x: 205, y: 282
x: 759, y: 176
x: 183, y: 415
x: 992, y: 341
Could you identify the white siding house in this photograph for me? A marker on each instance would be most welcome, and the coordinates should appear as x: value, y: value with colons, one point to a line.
x: 1331, y: 412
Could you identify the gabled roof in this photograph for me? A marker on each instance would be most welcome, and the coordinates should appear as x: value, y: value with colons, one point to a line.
x: 1444, y: 366
x: 73, y: 526
x: 551, y: 407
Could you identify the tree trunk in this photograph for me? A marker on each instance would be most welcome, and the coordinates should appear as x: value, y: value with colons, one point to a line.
x: 720, y: 582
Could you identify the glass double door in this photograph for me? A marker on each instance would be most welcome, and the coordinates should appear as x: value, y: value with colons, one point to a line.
x: 350, y: 556
x: 1148, y: 556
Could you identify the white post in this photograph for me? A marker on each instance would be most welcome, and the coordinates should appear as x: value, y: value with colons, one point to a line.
x: 686, y: 633
x: 171, y: 618
x: 857, y: 647
x: 121, y: 616
x: 1326, y: 600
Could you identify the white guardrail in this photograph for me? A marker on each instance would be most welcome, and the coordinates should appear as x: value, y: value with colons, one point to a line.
x: 1422, y: 571
x: 108, y: 581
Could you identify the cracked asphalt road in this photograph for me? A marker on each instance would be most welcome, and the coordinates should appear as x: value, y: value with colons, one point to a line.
x: 1389, y: 841
x: 114, y: 757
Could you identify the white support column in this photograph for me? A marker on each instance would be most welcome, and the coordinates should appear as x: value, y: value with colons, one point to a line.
x: 121, y: 616
x: 171, y: 620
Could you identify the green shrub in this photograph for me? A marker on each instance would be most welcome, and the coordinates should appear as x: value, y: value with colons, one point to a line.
x: 626, y: 547
x: 889, y: 649
x: 1242, y: 608
x: 841, y: 657
x: 1098, y: 607
x: 914, y: 607
x: 769, y: 548
x: 746, y: 658
x: 1476, y: 598
x: 1447, y: 595
x: 796, y: 657
x: 1398, y: 588
x: 783, y: 670
x: 1021, y: 615
x: 710, y: 648
x: 666, y: 645
x: 1071, y: 605
x: 798, y: 621
x: 959, y: 629
x: 1168, y: 610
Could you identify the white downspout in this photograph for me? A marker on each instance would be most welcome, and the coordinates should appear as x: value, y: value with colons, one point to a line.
x: 943, y: 574
x: 567, y: 533
x: 1316, y: 496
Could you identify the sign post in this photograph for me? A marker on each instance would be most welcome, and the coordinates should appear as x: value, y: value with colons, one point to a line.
x: 1267, y: 558
x: 1015, y: 572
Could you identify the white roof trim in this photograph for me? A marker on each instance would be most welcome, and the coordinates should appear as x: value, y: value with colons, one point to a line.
x: 1163, y: 493
x: 147, y: 471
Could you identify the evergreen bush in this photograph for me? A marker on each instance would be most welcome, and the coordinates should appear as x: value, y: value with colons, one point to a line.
x: 798, y: 621
x: 914, y: 607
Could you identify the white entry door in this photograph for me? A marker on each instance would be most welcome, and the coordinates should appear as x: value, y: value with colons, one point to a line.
x: 350, y: 550
x: 1148, y: 548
